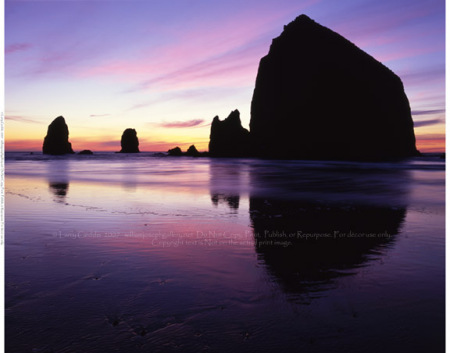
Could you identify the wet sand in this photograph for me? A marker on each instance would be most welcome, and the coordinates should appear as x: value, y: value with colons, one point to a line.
x: 189, y: 255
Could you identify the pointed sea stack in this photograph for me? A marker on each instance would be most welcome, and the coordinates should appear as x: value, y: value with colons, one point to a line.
x: 228, y: 138
x: 57, y: 140
x: 192, y: 152
x: 129, y: 141
x: 318, y: 96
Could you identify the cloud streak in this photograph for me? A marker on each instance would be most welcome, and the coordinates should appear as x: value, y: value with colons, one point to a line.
x: 428, y: 112
x: 13, y: 48
x: 98, y: 115
x: 21, y: 119
x: 210, y: 53
x: 182, y: 124
x: 427, y: 122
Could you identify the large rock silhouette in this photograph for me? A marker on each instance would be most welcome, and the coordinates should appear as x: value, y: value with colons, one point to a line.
x: 318, y: 96
x: 57, y: 140
x: 228, y: 138
x: 129, y: 141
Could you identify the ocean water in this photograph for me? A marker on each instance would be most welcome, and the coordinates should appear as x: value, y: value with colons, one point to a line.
x: 148, y: 253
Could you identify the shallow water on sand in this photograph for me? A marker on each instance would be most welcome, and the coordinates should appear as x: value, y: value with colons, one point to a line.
x: 145, y: 253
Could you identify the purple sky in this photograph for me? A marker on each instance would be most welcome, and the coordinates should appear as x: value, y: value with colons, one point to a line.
x: 167, y: 68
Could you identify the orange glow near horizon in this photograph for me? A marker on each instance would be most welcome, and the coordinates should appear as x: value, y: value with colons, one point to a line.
x: 28, y: 135
x: 34, y: 145
x: 426, y: 143
x: 431, y: 143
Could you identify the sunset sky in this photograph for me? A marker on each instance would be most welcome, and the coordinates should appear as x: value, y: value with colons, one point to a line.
x: 166, y: 68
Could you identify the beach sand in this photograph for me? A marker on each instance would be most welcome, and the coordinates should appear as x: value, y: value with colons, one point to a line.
x: 128, y: 254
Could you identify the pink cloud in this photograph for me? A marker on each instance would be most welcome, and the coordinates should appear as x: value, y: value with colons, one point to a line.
x: 12, y: 48
x: 427, y: 97
x: 231, y: 68
x: 183, y: 124
x: 139, y: 106
x: 98, y: 115
x: 423, y: 77
x: 210, y: 53
x: 175, y: 61
x: 190, y: 94
x: 54, y: 62
x: 21, y: 119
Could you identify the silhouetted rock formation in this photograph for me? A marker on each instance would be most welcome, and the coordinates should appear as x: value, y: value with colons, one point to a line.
x: 57, y: 139
x: 316, y: 222
x: 228, y: 138
x: 318, y: 96
x: 306, y: 245
x: 129, y: 141
x: 175, y: 152
x: 192, y: 152
x: 87, y: 152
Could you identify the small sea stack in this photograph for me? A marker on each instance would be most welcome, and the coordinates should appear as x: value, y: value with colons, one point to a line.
x: 57, y: 140
x: 192, y: 152
x: 129, y: 141
x: 175, y: 152
x: 86, y: 152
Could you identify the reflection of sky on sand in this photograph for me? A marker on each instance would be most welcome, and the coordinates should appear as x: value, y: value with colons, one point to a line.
x: 290, y: 201
x: 228, y: 182
x: 58, y: 179
x: 176, y: 262
x: 106, y: 207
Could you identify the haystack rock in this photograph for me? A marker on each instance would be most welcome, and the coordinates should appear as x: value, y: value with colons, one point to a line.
x: 318, y: 96
x: 228, y: 138
x: 129, y: 141
x: 57, y: 139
